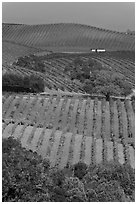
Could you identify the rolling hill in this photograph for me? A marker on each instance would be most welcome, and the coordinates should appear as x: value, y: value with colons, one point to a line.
x: 67, y: 37
x: 65, y: 125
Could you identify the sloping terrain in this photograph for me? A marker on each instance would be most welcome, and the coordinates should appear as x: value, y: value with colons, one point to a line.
x: 11, y: 51
x: 69, y: 130
x: 23, y: 40
x: 64, y: 125
x: 67, y: 37
x: 55, y: 77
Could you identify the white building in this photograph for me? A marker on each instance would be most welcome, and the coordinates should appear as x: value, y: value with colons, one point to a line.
x: 98, y: 50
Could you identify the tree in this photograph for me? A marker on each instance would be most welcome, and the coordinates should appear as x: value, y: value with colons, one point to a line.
x: 107, y: 83
x: 94, y: 65
x: 17, y: 83
x: 78, y: 61
x: 36, y: 84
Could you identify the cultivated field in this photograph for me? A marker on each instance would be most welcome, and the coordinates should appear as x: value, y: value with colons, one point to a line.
x: 67, y: 37
x: 65, y: 125
x: 11, y: 51
x: 72, y: 129
x: 56, y: 78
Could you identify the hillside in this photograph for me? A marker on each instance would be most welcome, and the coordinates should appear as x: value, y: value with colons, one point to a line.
x: 67, y: 37
x: 72, y: 129
x: 69, y: 123
x: 11, y: 51
x: 56, y: 77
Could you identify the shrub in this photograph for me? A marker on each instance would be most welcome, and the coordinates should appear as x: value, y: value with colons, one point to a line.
x: 31, y: 62
x: 74, y: 189
x: 26, y: 177
x: 80, y: 169
x: 23, y: 173
x: 107, y: 83
x: 17, y: 83
x: 122, y: 176
x: 36, y: 84
x: 104, y: 191
x: 98, y: 79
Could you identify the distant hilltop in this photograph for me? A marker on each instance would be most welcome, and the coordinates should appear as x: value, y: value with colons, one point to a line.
x: 67, y: 37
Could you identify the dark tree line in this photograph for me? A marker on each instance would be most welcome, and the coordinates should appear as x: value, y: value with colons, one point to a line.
x: 18, y: 83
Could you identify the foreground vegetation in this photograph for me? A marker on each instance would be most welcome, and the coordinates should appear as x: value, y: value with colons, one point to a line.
x: 26, y: 177
x: 19, y: 83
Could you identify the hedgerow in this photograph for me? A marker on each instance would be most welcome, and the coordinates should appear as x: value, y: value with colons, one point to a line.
x: 17, y: 83
x: 26, y: 177
x: 32, y: 62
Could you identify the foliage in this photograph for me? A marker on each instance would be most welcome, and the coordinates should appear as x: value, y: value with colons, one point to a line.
x: 104, y: 191
x: 80, y: 69
x: 97, y: 78
x: 24, y: 173
x: 31, y: 62
x: 121, y: 177
x: 15, y: 83
x: 108, y: 83
x: 75, y: 190
x: 80, y: 169
x: 36, y: 84
x: 26, y: 177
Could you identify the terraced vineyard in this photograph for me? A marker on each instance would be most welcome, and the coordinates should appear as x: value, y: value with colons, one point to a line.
x: 67, y: 37
x: 71, y: 129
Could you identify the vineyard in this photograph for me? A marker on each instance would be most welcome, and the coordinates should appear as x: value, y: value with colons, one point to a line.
x: 11, y: 51
x: 68, y: 129
x: 52, y: 80
x: 125, y: 67
x: 66, y: 124
x: 56, y: 78
x: 67, y: 37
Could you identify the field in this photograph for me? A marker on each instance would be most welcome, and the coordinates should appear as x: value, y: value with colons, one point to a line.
x: 67, y: 37
x: 55, y: 77
x: 68, y: 114
x: 65, y: 124
x: 11, y: 51
x: 72, y: 129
